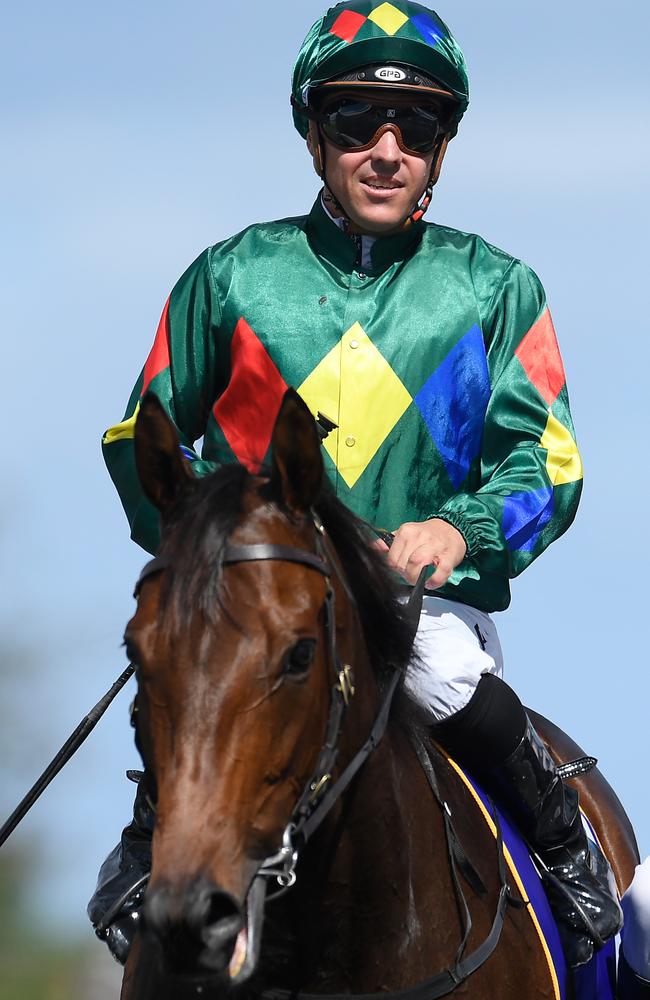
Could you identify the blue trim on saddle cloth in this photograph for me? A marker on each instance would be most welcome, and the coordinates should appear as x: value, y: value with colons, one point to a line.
x: 594, y: 981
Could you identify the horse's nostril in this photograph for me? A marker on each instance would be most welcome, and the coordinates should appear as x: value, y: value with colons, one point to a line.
x: 222, y: 908
x: 223, y: 922
x: 196, y: 925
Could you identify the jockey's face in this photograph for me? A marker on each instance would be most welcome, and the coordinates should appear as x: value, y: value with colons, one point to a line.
x: 378, y: 187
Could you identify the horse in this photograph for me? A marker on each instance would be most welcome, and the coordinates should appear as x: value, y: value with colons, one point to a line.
x: 269, y: 642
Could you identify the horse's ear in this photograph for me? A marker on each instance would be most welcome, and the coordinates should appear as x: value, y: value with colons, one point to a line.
x: 297, y: 461
x: 163, y: 472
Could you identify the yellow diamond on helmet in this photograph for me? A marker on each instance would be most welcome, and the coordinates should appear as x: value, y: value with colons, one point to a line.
x: 388, y: 18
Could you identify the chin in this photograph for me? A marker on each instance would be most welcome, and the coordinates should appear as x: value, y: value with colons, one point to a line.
x: 378, y: 227
x: 378, y: 219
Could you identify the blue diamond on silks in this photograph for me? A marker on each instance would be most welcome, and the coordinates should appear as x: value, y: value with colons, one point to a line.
x: 453, y: 402
x: 429, y: 30
x: 524, y: 516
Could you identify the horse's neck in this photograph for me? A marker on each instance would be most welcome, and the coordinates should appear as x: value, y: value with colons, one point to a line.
x: 377, y: 882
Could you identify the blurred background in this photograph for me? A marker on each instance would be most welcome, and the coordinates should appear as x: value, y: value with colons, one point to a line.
x: 134, y: 136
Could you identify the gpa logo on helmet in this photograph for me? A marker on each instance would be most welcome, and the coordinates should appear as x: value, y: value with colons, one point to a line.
x: 390, y: 73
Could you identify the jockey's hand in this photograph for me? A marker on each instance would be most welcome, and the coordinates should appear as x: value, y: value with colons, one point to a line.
x: 425, y: 543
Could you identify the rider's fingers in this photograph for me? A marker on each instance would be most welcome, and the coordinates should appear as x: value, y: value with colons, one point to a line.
x: 399, y: 552
x: 428, y: 555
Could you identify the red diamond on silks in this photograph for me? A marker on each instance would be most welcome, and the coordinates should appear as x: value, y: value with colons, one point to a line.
x: 247, y: 410
x: 158, y: 358
x: 540, y: 356
x: 347, y: 25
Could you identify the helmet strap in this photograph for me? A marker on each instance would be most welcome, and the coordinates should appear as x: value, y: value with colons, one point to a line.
x: 436, y: 166
x: 438, y: 157
x: 422, y: 205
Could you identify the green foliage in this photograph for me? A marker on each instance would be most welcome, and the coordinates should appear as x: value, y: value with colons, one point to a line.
x: 31, y: 972
x: 32, y: 968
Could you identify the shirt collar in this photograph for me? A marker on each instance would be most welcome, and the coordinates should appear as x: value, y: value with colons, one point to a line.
x: 331, y: 242
x: 363, y: 240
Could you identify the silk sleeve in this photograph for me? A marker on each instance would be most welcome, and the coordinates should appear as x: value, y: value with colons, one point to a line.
x: 531, y: 473
x: 180, y: 370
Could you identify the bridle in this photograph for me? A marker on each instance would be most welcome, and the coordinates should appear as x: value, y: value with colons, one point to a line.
x: 321, y: 792
x: 318, y: 795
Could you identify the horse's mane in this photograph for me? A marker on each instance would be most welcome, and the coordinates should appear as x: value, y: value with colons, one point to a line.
x: 198, y: 529
x: 388, y: 633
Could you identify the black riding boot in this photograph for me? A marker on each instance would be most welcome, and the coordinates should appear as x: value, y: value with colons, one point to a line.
x: 114, y: 908
x: 580, y: 886
x: 494, y: 738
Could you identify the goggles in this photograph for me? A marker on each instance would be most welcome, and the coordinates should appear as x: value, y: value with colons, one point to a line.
x: 357, y: 123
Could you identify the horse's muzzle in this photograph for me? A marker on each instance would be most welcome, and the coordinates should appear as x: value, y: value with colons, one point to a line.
x: 195, y: 924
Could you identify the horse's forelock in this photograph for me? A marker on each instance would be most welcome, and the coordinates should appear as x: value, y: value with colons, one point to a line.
x: 194, y: 540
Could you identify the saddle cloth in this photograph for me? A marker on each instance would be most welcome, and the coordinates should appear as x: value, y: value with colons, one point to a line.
x: 594, y: 981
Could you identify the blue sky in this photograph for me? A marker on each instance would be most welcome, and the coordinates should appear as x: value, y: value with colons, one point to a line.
x: 136, y: 135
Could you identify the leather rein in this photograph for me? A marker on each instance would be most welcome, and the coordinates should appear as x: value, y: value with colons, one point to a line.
x: 321, y: 792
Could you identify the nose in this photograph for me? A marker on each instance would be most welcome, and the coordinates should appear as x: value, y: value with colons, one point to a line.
x: 386, y: 149
x: 196, y: 925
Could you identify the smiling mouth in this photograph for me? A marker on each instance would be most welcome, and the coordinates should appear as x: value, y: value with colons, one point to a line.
x: 382, y: 185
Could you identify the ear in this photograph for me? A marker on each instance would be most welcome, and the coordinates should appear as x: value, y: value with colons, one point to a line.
x: 297, y: 469
x: 164, y: 475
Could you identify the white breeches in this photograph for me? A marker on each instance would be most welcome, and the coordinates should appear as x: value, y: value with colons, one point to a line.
x: 635, y: 935
x: 456, y: 645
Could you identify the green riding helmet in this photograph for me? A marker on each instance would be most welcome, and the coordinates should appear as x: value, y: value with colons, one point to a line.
x: 368, y: 33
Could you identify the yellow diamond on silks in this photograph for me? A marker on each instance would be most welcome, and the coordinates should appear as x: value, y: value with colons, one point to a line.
x: 563, y: 463
x: 356, y: 387
x: 388, y: 18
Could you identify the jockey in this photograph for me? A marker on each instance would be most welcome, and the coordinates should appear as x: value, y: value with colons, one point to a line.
x: 435, y: 356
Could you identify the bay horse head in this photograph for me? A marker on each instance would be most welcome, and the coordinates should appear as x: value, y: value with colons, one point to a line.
x: 240, y: 652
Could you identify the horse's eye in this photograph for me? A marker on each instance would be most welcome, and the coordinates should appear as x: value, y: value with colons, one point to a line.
x: 299, y: 657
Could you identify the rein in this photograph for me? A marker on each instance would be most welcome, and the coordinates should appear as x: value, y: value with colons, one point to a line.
x: 319, y: 795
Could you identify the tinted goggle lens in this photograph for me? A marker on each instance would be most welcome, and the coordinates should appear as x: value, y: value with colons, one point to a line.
x: 352, y: 124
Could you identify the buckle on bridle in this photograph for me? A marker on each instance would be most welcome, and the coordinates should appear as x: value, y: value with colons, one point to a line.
x: 346, y: 683
x: 282, y: 866
x: 317, y: 787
